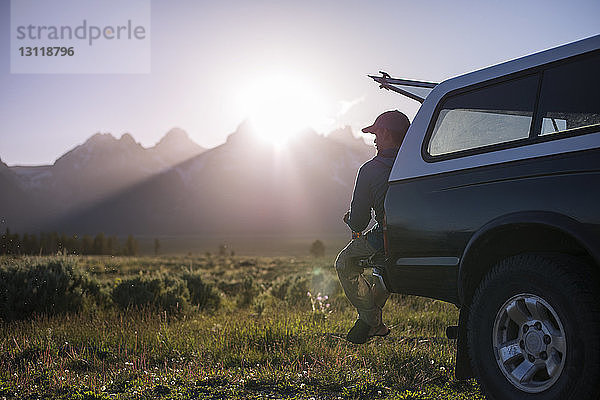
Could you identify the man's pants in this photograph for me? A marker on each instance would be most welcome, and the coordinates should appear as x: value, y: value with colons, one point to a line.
x: 368, y: 297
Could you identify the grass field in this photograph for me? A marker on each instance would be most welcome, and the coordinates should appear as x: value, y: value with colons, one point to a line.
x: 259, y: 336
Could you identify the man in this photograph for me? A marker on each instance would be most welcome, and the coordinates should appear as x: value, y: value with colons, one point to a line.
x: 369, y: 193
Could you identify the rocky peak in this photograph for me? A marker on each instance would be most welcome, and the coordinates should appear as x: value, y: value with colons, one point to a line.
x: 108, y: 141
x: 101, y: 146
x: 127, y: 140
x: 244, y: 133
x: 100, y: 139
x: 176, y: 146
x: 177, y: 139
x: 175, y: 135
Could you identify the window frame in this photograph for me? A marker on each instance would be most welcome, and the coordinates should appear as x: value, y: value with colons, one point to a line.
x: 536, y: 122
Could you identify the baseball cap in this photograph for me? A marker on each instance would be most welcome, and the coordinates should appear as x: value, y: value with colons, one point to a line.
x: 393, y: 120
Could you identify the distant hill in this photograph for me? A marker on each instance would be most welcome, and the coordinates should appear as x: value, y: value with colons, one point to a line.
x: 244, y: 186
x: 13, y: 200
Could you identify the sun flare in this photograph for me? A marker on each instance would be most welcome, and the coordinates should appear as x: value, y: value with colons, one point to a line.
x: 280, y: 106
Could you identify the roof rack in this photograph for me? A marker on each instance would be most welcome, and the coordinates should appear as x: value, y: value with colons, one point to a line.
x: 416, y: 90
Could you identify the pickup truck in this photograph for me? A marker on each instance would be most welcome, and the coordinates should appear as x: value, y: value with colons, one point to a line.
x: 494, y: 205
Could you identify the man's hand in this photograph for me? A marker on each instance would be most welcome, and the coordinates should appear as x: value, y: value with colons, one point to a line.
x: 346, y: 216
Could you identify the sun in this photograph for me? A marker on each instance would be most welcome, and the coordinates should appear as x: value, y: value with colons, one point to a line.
x: 279, y: 106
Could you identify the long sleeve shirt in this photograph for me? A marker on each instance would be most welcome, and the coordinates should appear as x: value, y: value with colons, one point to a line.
x: 369, y: 194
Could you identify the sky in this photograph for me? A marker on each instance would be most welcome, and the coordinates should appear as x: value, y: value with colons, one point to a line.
x: 215, y: 63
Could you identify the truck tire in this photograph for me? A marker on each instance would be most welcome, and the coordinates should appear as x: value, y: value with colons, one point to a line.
x: 534, y: 330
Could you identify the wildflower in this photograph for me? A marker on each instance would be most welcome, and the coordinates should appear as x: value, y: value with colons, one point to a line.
x: 319, y: 305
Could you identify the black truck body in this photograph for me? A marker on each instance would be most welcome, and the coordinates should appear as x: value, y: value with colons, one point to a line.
x: 494, y: 205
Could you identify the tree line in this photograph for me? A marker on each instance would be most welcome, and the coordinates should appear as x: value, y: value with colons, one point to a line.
x: 54, y: 243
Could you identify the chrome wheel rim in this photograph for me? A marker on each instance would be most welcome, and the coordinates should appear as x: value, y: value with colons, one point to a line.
x: 529, y: 341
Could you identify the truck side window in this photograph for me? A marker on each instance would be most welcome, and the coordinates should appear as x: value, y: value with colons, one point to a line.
x: 486, y: 116
x: 569, y: 96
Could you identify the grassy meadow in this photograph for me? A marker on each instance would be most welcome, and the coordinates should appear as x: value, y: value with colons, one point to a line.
x: 214, y: 327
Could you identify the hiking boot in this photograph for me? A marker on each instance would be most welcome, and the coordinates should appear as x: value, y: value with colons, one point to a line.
x: 381, y: 330
x: 361, y: 332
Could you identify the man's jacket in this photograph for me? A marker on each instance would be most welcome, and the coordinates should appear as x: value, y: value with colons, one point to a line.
x: 369, y: 194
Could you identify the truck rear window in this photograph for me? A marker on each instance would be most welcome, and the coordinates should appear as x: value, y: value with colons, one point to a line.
x: 471, y: 122
x: 486, y: 116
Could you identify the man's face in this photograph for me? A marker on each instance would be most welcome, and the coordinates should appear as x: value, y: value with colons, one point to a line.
x: 383, y: 139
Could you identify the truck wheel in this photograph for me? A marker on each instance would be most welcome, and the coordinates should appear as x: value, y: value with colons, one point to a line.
x: 534, y: 330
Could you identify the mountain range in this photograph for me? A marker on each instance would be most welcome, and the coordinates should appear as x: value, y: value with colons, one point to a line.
x: 244, y: 187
